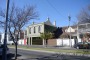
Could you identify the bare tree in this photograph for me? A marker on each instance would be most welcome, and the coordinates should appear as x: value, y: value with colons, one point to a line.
x: 18, y: 18
x: 84, y: 15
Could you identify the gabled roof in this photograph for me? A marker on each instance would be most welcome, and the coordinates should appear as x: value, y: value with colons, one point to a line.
x: 66, y: 27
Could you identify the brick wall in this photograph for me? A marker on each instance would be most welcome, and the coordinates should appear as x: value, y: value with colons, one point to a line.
x: 52, y: 42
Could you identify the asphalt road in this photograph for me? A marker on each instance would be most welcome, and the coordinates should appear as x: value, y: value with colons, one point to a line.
x: 34, y: 55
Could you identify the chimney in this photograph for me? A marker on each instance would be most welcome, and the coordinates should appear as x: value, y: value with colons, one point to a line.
x: 48, y: 19
x: 54, y: 23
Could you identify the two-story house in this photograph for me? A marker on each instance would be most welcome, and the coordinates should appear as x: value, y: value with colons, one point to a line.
x: 78, y: 31
x: 32, y: 33
x: 72, y: 33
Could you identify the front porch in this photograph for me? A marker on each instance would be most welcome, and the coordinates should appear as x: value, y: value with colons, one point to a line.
x: 34, y: 41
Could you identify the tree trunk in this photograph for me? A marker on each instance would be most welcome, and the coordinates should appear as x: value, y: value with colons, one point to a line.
x: 16, y: 46
x: 15, y: 50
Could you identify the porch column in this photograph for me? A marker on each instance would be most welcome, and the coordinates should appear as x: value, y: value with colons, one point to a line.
x: 43, y: 42
x: 31, y: 40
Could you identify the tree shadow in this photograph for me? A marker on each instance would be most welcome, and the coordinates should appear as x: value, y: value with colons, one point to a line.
x: 64, y: 57
x: 10, y: 56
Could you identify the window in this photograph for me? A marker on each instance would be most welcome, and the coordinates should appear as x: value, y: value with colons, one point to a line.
x: 88, y: 25
x: 82, y: 26
x: 34, y: 30
x: 39, y: 29
x: 30, y: 30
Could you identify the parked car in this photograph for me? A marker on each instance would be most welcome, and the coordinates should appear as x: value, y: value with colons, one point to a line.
x: 82, y: 45
x: 1, y: 49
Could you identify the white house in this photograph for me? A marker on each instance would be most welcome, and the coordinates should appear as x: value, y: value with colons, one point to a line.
x: 32, y: 33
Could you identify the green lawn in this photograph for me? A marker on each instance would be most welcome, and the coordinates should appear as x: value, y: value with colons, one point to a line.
x: 78, y: 51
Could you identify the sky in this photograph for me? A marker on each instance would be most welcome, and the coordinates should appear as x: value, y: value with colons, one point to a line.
x: 56, y: 10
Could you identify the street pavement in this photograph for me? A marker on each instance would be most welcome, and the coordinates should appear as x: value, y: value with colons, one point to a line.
x: 37, y: 55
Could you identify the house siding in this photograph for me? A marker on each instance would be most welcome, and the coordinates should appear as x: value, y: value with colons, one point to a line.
x: 36, y: 34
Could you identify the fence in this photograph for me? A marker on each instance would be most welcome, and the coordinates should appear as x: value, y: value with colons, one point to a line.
x: 65, y: 42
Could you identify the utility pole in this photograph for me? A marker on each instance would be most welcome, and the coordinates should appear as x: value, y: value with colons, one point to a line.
x: 5, y: 35
x: 77, y: 32
x: 69, y: 18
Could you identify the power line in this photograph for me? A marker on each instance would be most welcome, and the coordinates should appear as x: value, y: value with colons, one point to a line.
x: 54, y: 8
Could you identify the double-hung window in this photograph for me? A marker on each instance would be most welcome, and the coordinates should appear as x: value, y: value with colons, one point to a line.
x: 30, y: 30
x: 34, y: 30
x: 39, y: 29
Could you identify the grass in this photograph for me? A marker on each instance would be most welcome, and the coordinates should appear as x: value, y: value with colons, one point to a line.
x: 78, y: 51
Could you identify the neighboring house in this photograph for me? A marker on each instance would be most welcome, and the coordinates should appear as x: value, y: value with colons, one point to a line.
x: 21, y: 34
x: 9, y: 41
x: 72, y: 30
x: 32, y: 33
x: 82, y: 30
x: 78, y: 31
x: 21, y: 40
x: 63, y: 37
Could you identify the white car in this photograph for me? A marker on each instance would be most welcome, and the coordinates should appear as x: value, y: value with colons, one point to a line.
x: 1, y: 49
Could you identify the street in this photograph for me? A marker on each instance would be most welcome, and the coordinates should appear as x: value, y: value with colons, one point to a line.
x: 34, y: 55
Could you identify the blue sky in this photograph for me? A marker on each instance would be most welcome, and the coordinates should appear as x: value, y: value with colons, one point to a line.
x: 56, y: 10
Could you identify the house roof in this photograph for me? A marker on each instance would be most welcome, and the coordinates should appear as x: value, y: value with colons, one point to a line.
x: 47, y: 22
x: 64, y: 28
x: 67, y: 27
